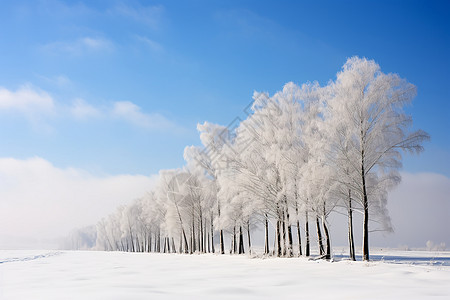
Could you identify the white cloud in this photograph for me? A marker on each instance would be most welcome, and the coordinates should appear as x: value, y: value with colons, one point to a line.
x: 80, y: 109
x: 37, y: 105
x: 80, y: 46
x: 148, y: 15
x: 132, y: 113
x: 153, y: 45
x: 26, y: 100
x: 61, y: 81
x: 41, y: 201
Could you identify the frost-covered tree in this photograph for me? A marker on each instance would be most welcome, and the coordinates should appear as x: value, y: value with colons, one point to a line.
x: 210, y: 160
x: 367, y: 108
x: 299, y: 156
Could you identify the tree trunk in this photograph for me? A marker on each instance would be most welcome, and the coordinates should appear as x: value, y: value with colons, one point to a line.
x: 158, y: 242
x: 208, y: 242
x: 299, y: 237
x: 212, y: 234
x: 319, y: 237
x: 201, y: 239
x: 149, y: 247
x: 131, y: 239
x: 283, y: 226
x: 327, y: 236
x: 351, y: 242
x: 266, y: 233
x: 233, y: 242
x: 174, y: 249
x: 222, y: 246
x: 241, y: 241
x: 248, y: 236
x: 307, y: 246
x: 278, y: 238
x: 193, y: 247
x: 366, y: 213
x: 289, y: 232
x: 191, y: 242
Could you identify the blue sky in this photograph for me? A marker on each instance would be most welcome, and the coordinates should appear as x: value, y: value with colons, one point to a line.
x: 187, y: 62
x: 108, y: 88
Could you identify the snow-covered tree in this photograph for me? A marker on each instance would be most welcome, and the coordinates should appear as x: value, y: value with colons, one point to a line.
x: 371, y: 126
x: 300, y: 155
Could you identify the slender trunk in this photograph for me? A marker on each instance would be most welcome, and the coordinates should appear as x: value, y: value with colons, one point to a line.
x: 234, y: 240
x: 199, y: 238
x: 241, y: 241
x: 205, y: 238
x: 266, y: 233
x: 183, y: 232
x: 298, y: 231
x: 351, y: 242
x: 193, y: 234
x: 191, y: 242
x: 209, y: 243
x: 212, y: 234
x: 308, y: 246
x: 289, y: 233
x: 222, y: 247
x: 144, y: 243
x: 174, y: 249
x: 283, y: 227
x: 278, y: 238
x: 150, y: 241
x: 131, y: 239
x: 327, y: 235
x: 136, y: 248
x: 319, y: 237
x: 201, y: 245
x: 248, y: 236
x: 154, y: 242
x: 158, y: 241
x: 366, y: 213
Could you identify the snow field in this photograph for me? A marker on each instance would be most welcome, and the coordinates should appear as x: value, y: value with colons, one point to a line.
x: 120, y: 275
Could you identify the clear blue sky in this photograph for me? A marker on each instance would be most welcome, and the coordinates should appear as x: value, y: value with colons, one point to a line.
x: 118, y: 87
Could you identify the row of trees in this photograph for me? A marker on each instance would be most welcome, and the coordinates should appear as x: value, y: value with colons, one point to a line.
x: 300, y: 155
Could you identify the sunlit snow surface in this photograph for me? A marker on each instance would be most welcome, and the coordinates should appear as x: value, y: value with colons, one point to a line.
x: 117, y: 275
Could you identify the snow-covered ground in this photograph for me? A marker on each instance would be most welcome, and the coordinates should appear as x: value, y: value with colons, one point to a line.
x: 118, y: 275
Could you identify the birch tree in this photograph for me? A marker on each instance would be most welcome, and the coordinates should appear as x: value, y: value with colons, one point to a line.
x: 369, y: 104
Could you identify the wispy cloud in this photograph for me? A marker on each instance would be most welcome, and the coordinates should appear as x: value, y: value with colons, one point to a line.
x: 151, y: 44
x: 38, y: 106
x: 148, y: 15
x: 80, y: 109
x: 61, y: 81
x: 80, y: 46
x: 133, y: 114
x: 27, y: 100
